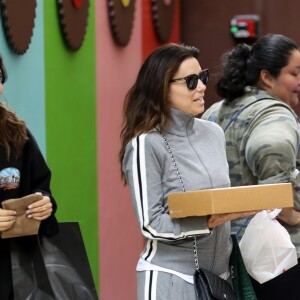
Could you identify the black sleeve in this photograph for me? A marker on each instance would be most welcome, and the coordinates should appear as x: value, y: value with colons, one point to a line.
x: 36, y: 177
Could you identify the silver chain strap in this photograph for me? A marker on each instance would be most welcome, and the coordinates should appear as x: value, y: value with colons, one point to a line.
x: 183, y: 189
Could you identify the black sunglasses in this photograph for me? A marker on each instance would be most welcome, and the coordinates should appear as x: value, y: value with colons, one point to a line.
x: 192, y: 80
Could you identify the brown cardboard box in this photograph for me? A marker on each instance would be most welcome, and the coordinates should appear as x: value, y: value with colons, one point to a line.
x: 231, y: 199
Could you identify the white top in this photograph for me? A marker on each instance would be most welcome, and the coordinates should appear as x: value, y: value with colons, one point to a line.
x: 144, y: 265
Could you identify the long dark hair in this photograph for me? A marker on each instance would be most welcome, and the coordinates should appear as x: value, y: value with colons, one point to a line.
x: 13, y: 131
x: 242, y: 65
x: 146, y: 103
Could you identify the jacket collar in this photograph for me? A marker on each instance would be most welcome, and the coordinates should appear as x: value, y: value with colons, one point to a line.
x: 181, y: 124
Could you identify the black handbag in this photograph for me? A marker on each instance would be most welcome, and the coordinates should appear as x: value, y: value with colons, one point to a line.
x: 208, y: 286
x: 52, y: 268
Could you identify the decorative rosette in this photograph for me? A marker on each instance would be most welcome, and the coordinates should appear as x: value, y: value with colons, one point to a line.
x: 18, y: 22
x: 163, y: 13
x: 121, y: 16
x: 73, y: 15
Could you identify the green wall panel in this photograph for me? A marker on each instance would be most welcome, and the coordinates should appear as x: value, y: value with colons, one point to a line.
x: 71, y: 127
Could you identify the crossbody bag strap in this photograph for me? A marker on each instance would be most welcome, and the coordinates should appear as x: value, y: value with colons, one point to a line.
x: 183, y: 189
x: 241, y: 110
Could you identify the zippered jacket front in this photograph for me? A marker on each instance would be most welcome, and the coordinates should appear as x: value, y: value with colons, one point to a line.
x: 198, y: 148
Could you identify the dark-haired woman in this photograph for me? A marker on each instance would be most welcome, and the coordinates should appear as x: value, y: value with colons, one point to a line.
x: 260, y: 86
x: 165, y: 149
x: 23, y: 171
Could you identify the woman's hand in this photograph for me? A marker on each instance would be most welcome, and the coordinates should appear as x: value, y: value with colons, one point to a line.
x: 289, y: 216
x: 7, y: 219
x: 219, y: 219
x: 40, y: 210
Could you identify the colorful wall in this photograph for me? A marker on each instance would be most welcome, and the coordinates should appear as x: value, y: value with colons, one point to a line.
x: 72, y: 102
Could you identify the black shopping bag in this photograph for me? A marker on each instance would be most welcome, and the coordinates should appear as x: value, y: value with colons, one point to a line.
x: 52, y: 268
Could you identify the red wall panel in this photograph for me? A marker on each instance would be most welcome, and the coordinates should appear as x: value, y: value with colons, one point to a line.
x: 149, y: 38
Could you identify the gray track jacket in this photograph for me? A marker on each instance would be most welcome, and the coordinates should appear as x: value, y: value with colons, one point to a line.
x: 198, y: 147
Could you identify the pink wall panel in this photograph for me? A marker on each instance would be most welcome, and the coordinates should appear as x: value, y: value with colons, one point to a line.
x: 120, y: 242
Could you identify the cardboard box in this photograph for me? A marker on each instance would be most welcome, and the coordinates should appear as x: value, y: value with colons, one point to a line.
x: 231, y: 199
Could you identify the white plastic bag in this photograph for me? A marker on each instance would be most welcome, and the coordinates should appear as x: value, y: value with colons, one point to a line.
x: 266, y: 247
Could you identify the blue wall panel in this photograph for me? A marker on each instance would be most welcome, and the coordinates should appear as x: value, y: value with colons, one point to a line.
x: 25, y: 89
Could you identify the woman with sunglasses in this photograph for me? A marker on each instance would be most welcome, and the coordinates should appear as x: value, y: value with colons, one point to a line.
x: 260, y: 86
x: 166, y: 149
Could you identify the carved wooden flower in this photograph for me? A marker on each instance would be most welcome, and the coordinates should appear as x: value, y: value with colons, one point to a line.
x: 18, y: 21
x: 121, y: 16
x: 73, y: 15
x: 163, y: 13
